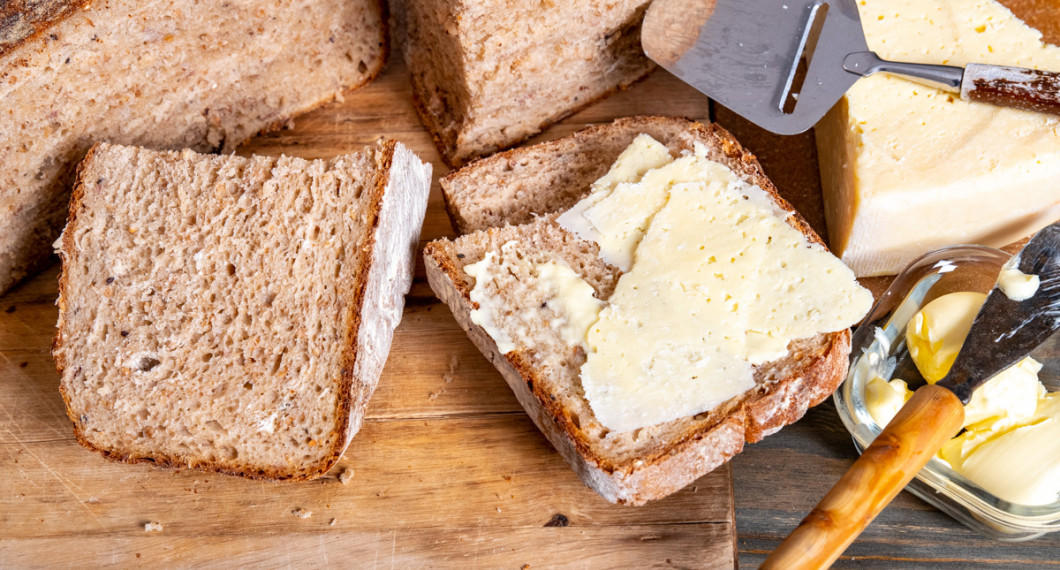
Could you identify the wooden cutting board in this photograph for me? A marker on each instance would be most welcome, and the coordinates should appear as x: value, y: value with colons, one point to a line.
x: 447, y: 471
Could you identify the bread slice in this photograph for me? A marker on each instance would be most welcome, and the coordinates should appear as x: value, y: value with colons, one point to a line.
x: 515, y: 186
x: 233, y: 314
x: 161, y: 74
x: 649, y: 463
x: 487, y: 74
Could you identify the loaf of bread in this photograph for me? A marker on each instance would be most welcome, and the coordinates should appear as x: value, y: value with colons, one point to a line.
x: 488, y: 74
x: 526, y: 184
x: 232, y: 314
x: 161, y: 74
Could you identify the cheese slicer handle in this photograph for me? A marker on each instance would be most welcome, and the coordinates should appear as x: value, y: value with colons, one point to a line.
x: 1016, y: 87
x: 930, y: 418
x: 1026, y: 89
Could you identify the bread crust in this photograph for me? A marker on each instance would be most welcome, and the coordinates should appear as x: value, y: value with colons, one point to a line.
x: 44, y: 15
x: 23, y: 20
x: 696, y: 451
x: 357, y: 381
x: 446, y: 138
x: 448, y: 151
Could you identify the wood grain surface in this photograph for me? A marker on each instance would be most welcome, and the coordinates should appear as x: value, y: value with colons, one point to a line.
x: 448, y: 472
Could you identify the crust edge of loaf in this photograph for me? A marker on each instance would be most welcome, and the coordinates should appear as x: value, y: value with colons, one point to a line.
x: 698, y: 451
x: 345, y: 429
x: 454, y: 157
x: 35, y: 260
x: 41, y: 20
x: 694, y: 454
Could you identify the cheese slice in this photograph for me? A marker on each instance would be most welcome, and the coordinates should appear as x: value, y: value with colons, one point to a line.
x: 907, y: 168
x: 715, y: 282
x: 552, y: 285
x: 718, y: 281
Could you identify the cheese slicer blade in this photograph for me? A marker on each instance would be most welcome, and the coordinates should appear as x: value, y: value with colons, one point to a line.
x: 782, y: 64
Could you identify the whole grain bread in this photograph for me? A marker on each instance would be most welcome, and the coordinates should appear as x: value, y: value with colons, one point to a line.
x: 487, y: 74
x: 515, y: 186
x: 527, y: 184
x: 233, y: 314
x: 161, y: 74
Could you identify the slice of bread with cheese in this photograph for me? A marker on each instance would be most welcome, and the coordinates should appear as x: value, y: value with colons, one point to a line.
x: 907, y: 168
x: 233, y: 314
x: 596, y: 307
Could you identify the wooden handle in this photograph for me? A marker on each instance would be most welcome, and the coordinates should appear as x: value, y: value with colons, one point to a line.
x: 1026, y: 89
x: 931, y: 417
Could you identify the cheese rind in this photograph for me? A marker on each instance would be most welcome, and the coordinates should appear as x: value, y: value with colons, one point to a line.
x: 907, y: 168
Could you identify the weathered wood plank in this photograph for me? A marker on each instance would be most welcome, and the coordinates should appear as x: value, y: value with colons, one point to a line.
x: 654, y: 546
x: 488, y: 470
x: 778, y: 480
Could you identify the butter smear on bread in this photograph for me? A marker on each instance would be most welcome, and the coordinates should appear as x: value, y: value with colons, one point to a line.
x: 715, y: 281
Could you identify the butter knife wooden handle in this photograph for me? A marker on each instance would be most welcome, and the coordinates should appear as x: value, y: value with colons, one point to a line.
x: 1026, y: 89
x: 931, y: 417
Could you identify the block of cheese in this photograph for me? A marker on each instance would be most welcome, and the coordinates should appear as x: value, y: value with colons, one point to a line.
x: 907, y: 168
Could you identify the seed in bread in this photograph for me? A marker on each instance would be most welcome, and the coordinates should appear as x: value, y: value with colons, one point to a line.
x: 233, y: 314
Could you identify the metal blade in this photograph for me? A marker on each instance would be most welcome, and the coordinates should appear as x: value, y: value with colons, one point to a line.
x: 1005, y: 331
x: 745, y: 54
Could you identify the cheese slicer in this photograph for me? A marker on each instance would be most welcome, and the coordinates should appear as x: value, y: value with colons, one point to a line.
x: 1002, y: 334
x: 782, y: 64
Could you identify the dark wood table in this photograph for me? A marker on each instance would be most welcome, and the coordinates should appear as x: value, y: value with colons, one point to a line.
x: 778, y: 480
x: 443, y: 412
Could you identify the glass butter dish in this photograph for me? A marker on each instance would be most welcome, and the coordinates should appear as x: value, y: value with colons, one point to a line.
x: 879, y: 349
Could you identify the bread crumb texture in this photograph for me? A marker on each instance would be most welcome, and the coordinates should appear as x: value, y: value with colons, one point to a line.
x: 153, y: 527
x: 554, y: 365
x: 484, y: 80
x: 161, y: 74
x: 523, y: 186
x: 210, y: 305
